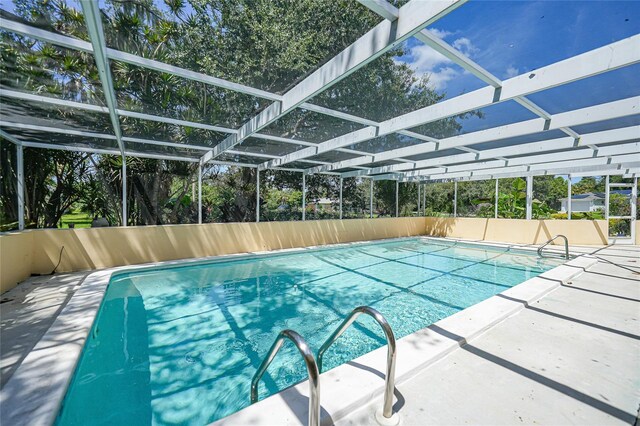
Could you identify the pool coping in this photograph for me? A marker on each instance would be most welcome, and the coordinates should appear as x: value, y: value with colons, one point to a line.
x: 36, y: 389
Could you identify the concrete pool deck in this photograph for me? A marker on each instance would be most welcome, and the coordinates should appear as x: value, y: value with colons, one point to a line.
x: 595, y: 316
x: 573, y: 357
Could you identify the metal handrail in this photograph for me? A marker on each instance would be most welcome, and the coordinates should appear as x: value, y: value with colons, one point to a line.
x: 312, y: 370
x: 566, y: 245
x: 387, y: 410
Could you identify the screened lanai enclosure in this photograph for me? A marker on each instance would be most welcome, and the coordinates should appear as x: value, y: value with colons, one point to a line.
x: 253, y: 175
x: 147, y: 112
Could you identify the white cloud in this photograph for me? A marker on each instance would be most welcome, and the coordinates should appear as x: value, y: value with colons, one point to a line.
x: 439, y: 33
x: 465, y: 46
x: 438, y: 79
x: 512, y: 72
x: 426, y: 61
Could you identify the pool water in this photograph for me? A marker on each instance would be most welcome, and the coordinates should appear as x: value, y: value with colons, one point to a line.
x: 180, y: 345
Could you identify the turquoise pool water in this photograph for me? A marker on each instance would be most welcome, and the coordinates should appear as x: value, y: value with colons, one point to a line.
x: 180, y: 345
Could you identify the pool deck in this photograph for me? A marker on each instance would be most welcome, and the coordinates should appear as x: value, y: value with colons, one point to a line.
x: 572, y: 357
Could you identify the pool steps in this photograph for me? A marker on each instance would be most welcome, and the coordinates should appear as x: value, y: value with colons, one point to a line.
x: 313, y: 369
x: 566, y: 245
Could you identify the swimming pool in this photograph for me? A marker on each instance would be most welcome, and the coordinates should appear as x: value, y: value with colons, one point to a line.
x: 179, y: 345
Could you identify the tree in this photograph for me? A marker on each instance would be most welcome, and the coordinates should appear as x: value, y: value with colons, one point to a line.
x: 512, y: 203
x: 587, y: 184
x: 550, y: 190
x: 268, y: 44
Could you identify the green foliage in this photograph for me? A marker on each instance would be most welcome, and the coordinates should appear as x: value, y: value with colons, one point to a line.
x: 282, y: 204
x: 268, y: 44
x: 619, y: 205
x: 549, y: 190
x: 512, y: 204
x: 439, y: 198
x: 594, y: 215
x: 619, y: 227
x: 588, y: 184
x: 476, y: 198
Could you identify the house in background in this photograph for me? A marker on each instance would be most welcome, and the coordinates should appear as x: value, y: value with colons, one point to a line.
x: 589, y: 202
x: 323, y: 204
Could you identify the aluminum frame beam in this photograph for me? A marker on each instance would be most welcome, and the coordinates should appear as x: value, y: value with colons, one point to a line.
x: 10, y: 138
x: 607, y: 58
x: 534, y: 160
x: 124, y: 113
x: 561, y: 167
x: 412, y: 17
x: 93, y: 23
x: 617, y: 58
x: 138, y: 154
x: 390, y: 12
x: 113, y: 54
x: 601, y: 112
x: 83, y: 46
x: 625, y: 170
x: 48, y: 129
x: 115, y: 152
x: 544, y: 146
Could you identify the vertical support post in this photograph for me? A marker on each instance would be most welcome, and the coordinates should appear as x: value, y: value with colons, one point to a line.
x: 125, y: 219
x: 529, y: 197
x: 257, y: 195
x: 455, y: 199
x: 200, y: 193
x: 634, y: 209
x: 418, y: 209
x: 304, y: 196
x: 371, y: 199
x: 495, y: 202
x: 341, y: 180
x: 607, y: 193
x: 20, y: 186
x: 424, y: 200
x: 397, y: 191
x: 569, y: 191
x: 634, y: 198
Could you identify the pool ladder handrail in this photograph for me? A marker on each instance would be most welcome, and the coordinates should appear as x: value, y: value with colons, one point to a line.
x: 566, y: 245
x: 387, y: 409
x: 312, y: 370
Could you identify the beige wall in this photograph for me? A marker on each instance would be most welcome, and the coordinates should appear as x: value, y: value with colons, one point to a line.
x: 37, y: 251
x: 520, y: 231
x: 16, y: 250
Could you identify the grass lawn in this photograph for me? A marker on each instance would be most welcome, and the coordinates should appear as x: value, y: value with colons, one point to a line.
x: 82, y: 220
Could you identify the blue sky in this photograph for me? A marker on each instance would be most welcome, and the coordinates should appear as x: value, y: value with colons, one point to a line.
x: 512, y: 37
x: 509, y: 38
